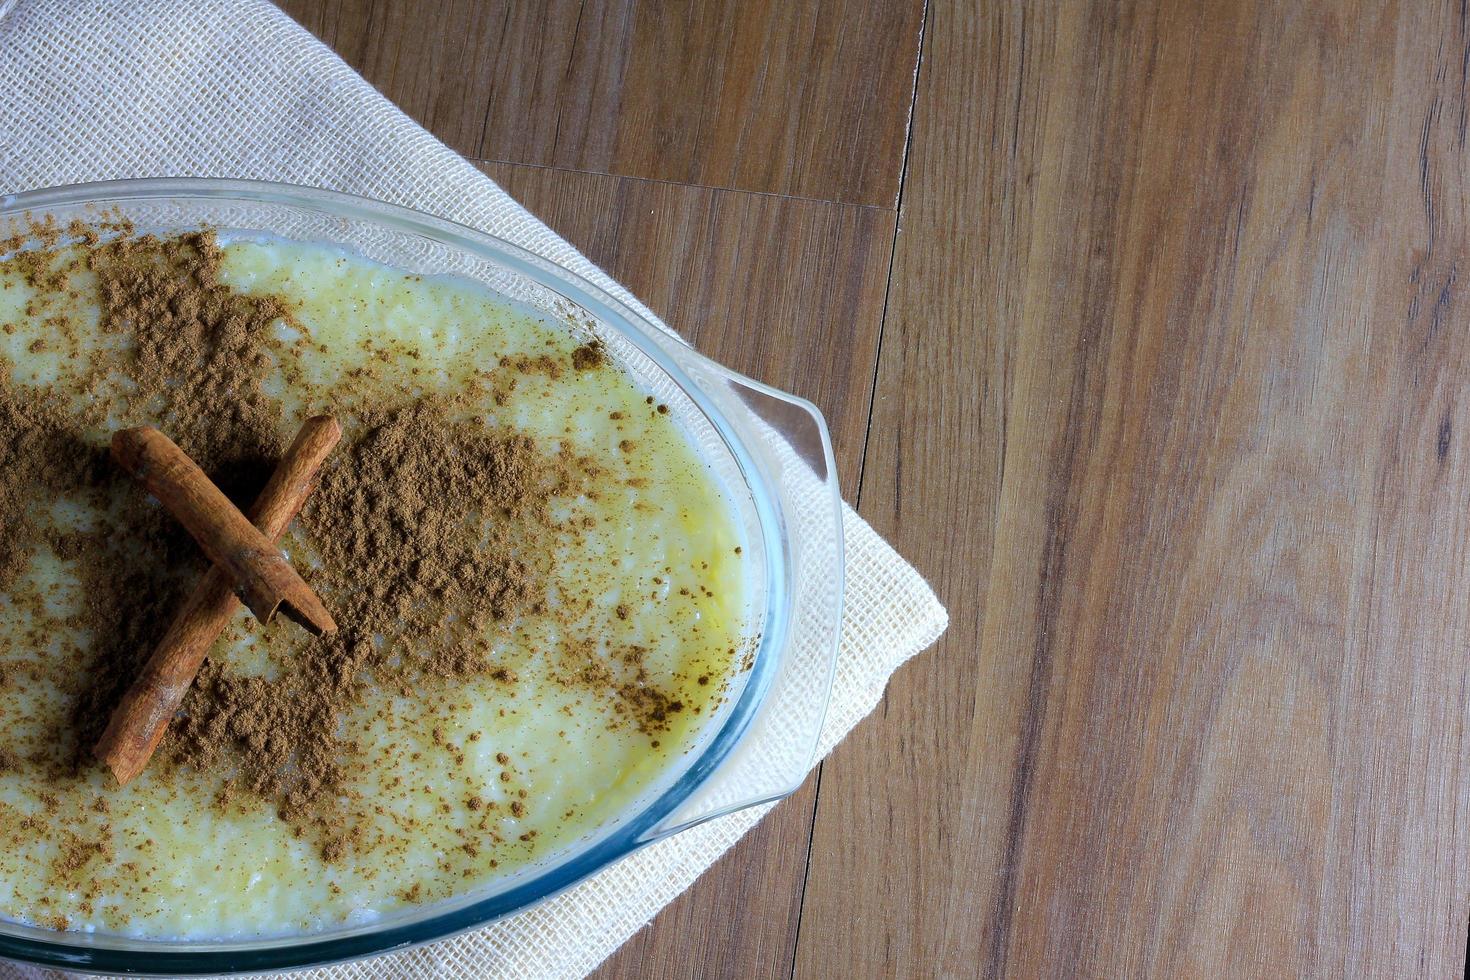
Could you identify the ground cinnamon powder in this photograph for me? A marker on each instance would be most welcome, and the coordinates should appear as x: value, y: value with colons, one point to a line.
x: 198, y: 353
x: 410, y: 522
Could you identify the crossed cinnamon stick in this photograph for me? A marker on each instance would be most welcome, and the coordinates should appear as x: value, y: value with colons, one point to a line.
x: 247, y: 567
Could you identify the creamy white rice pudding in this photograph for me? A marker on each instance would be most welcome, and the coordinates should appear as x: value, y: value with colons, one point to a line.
x: 540, y: 585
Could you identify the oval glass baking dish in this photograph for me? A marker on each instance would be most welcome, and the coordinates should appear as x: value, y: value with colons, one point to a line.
x: 769, y: 450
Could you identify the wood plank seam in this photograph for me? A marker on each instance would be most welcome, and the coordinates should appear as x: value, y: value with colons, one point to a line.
x: 867, y: 431
x: 566, y: 72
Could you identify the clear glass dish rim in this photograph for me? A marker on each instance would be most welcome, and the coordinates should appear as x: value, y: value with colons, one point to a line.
x: 288, y: 953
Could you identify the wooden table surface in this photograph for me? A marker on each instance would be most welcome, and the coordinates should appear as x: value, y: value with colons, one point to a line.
x: 1141, y: 331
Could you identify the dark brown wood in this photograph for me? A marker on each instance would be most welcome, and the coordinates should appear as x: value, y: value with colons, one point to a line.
x: 1170, y: 406
x: 262, y: 577
x: 141, y: 718
x: 806, y: 98
x: 791, y: 292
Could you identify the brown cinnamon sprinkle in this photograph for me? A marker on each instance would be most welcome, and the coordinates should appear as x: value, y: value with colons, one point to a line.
x: 410, y: 522
x: 589, y: 356
x: 198, y: 349
x: 433, y: 533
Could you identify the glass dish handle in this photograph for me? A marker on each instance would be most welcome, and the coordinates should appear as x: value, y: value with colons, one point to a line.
x: 791, y: 448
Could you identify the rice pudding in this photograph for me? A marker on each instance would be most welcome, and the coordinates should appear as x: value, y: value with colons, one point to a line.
x: 540, y: 587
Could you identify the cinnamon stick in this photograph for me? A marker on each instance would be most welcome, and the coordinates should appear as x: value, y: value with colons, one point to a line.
x: 142, y: 716
x: 263, y: 578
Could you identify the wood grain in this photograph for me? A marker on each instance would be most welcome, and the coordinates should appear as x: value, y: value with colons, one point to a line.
x: 790, y: 292
x: 807, y: 98
x: 1179, y: 285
